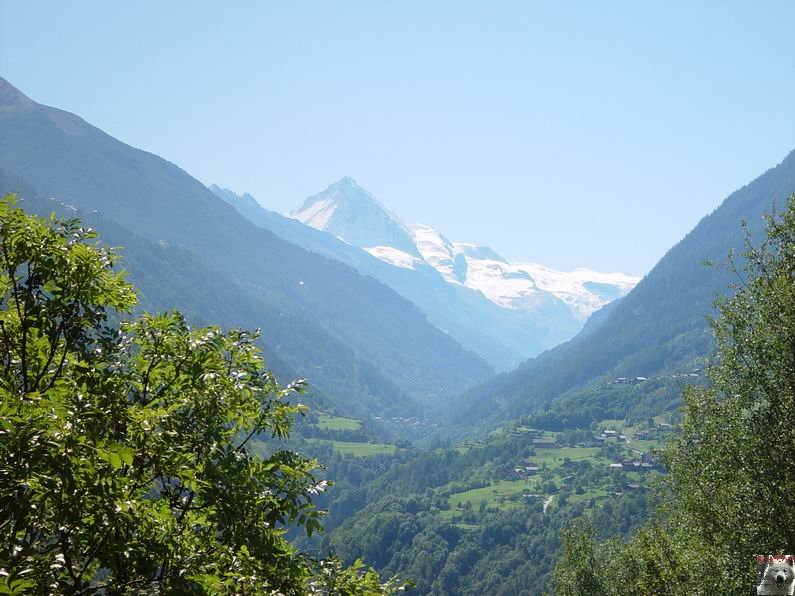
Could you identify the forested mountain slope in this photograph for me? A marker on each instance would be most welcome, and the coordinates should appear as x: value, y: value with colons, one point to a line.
x: 326, y: 321
x: 220, y: 303
x: 660, y: 326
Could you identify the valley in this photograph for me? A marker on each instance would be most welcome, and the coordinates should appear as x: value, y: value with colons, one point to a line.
x: 454, y: 496
x: 556, y: 467
x: 423, y: 407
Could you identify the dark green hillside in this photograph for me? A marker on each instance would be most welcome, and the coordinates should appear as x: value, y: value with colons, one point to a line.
x: 660, y: 328
x: 325, y: 320
x: 221, y: 301
x: 465, y: 520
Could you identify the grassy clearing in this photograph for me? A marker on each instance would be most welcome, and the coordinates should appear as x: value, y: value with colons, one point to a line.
x: 468, y: 446
x: 363, y: 449
x: 357, y: 449
x: 597, y: 493
x: 337, y: 423
x: 612, y: 423
x: 643, y: 446
x: 554, y: 457
x: 496, y: 494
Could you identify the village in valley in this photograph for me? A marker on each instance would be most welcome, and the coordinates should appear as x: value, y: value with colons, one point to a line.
x: 570, y: 467
x: 557, y: 469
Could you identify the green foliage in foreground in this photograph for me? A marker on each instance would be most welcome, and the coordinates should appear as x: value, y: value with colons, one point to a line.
x: 732, y: 481
x: 124, y: 466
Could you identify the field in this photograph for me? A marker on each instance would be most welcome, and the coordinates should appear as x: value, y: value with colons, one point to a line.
x: 337, y: 423
x: 596, y: 493
x: 359, y: 449
x: 496, y: 494
x: 363, y: 449
x: 554, y: 457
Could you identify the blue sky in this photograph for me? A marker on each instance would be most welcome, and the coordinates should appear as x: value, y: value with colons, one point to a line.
x: 568, y: 133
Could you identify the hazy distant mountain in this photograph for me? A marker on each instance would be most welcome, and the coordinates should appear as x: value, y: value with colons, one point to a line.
x: 537, y: 307
x: 348, y: 211
x: 658, y: 329
x: 504, y: 338
x: 362, y: 344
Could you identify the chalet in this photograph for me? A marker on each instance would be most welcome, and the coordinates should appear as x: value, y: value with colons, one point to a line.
x: 510, y: 474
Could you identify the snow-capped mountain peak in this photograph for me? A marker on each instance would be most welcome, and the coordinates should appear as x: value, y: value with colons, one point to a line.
x: 351, y: 213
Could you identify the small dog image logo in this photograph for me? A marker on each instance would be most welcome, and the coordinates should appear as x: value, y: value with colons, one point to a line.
x: 777, y: 575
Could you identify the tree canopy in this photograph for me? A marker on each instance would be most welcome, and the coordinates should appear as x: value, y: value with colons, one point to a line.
x: 125, y: 460
x: 731, y: 482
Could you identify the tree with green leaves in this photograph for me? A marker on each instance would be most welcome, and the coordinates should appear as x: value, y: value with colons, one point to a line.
x: 125, y: 447
x: 732, y: 477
